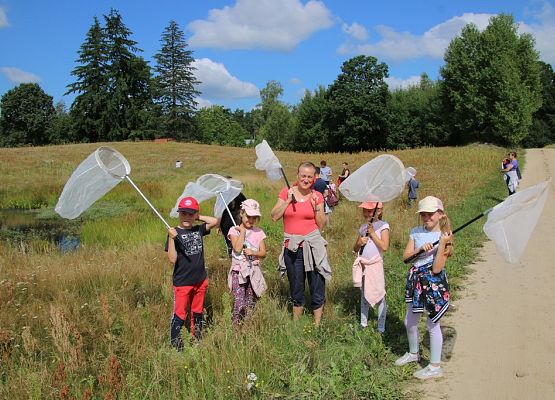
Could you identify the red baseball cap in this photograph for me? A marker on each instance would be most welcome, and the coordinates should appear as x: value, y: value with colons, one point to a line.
x: 188, y: 205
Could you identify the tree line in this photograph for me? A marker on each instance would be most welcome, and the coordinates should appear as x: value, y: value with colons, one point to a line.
x: 492, y: 88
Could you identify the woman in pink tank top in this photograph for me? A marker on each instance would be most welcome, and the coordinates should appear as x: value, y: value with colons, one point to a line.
x: 302, y: 211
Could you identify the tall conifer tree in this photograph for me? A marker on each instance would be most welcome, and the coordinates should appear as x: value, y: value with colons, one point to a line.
x: 88, y: 110
x: 175, y: 82
x: 128, y: 80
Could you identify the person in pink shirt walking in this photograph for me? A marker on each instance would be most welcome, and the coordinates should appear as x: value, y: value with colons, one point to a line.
x: 368, y: 274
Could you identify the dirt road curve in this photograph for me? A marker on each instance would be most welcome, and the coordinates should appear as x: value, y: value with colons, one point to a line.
x: 505, y: 320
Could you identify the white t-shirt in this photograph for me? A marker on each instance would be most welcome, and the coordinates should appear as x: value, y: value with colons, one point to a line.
x: 421, y: 236
x: 325, y: 173
x: 371, y: 250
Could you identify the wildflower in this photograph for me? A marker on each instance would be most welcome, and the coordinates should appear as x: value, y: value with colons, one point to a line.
x: 249, y: 385
x: 252, y: 377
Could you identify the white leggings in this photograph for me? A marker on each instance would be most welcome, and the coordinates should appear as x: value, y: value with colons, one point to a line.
x: 365, y: 308
x: 436, y: 337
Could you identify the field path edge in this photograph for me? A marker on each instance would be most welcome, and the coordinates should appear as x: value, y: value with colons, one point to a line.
x: 504, y: 319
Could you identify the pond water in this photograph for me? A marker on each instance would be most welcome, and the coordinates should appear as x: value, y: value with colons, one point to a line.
x: 24, y: 226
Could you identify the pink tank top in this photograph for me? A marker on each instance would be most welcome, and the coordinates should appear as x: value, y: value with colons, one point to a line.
x: 301, y: 220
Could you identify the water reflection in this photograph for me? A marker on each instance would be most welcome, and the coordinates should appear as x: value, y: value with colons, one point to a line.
x: 25, y: 226
x: 68, y: 243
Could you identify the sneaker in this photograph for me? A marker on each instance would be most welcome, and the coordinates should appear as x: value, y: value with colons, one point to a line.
x: 428, y: 373
x: 407, y: 358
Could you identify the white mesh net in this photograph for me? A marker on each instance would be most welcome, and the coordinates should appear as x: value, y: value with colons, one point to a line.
x: 410, y: 172
x: 511, y: 223
x: 267, y: 161
x: 204, y: 188
x: 380, y: 179
x: 92, y: 179
x: 235, y: 187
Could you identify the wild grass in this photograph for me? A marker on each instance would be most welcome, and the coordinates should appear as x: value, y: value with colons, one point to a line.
x: 94, y: 323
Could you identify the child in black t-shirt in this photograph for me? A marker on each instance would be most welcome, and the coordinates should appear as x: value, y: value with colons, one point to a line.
x: 186, y: 251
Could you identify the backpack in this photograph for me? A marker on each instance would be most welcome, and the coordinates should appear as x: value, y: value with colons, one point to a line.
x: 332, y: 199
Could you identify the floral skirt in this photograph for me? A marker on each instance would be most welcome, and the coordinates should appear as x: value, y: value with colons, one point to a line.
x: 427, y: 291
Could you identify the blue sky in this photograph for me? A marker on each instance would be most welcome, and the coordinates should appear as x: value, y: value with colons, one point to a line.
x: 239, y: 45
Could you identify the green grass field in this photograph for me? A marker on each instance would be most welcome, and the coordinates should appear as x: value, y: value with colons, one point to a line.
x: 95, y: 323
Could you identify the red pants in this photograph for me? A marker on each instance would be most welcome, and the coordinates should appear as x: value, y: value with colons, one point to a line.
x: 185, y: 297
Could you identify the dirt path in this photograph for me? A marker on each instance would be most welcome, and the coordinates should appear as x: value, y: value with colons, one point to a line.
x: 505, y: 319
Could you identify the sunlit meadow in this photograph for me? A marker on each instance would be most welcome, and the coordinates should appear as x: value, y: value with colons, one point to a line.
x: 94, y: 323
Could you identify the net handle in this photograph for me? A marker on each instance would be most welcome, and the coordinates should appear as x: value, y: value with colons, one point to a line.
x: 228, y: 210
x: 371, y: 221
x: 155, y: 210
x: 288, y: 187
x: 476, y: 218
x: 147, y: 202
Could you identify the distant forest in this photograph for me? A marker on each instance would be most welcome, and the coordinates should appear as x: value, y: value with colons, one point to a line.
x: 492, y: 88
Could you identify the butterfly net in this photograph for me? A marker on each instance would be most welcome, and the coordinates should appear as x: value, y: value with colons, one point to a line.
x: 92, y: 179
x: 380, y: 179
x: 267, y: 161
x: 410, y: 173
x: 224, y: 198
x: 204, y: 188
x: 511, y: 223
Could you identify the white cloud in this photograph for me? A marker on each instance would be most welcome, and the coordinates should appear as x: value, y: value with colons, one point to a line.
x: 203, y: 103
x: 356, y: 31
x: 399, y: 46
x: 398, y: 83
x: 262, y: 24
x: 218, y: 83
x: 544, y: 32
x: 3, y: 18
x: 17, y: 76
x: 295, y: 81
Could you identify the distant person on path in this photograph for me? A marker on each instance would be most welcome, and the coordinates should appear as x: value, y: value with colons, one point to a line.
x: 518, y: 174
x: 412, y: 186
x: 511, y: 172
x: 344, y: 174
x: 227, y: 223
x: 245, y: 279
x: 368, y: 274
x: 426, y: 287
x: 321, y: 186
x: 325, y: 172
x: 304, y: 254
x: 189, y: 273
